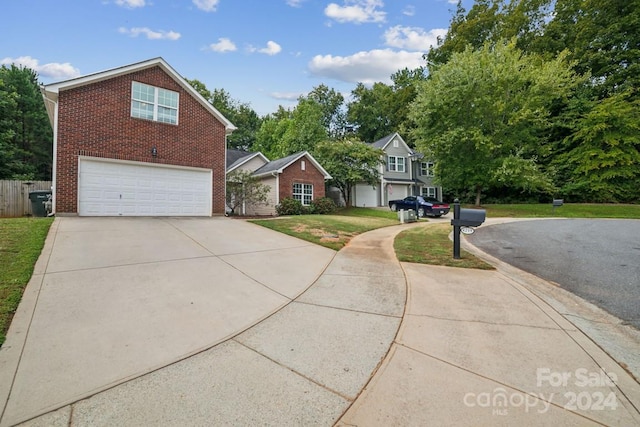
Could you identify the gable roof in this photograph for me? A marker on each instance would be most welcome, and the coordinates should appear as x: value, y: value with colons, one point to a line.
x: 236, y: 158
x: 278, y: 166
x: 50, y: 92
x: 383, y: 142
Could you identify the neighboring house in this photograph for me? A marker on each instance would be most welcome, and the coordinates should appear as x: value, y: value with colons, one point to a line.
x: 299, y: 176
x: 136, y: 140
x: 405, y: 173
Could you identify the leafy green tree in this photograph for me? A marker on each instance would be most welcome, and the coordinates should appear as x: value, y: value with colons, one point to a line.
x: 244, y: 118
x: 244, y: 188
x: 492, y: 21
x: 383, y: 109
x: 483, y: 117
x: 603, y: 37
x: 605, y: 154
x: 349, y: 162
x: 268, y: 137
x: 369, y: 111
x: 331, y: 103
x: 291, y: 131
x: 26, y: 137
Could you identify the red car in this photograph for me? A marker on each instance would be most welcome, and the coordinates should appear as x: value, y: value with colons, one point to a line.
x: 427, y: 206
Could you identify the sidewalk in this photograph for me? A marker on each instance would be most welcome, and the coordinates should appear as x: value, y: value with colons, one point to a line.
x: 469, y: 347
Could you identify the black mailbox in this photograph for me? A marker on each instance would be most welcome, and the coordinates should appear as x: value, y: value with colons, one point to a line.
x: 470, y: 218
x: 557, y: 202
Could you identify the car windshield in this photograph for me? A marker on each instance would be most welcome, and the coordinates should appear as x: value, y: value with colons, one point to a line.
x: 431, y: 199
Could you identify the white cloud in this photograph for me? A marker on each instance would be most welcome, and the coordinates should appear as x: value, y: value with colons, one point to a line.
x: 206, y: 5
x: 413, y: 38
x: 452, y: 1
x: 131, y: 3
x: 409, y: 10
x: 287, y: 96
x: 365, y: 67
x: 271, y: 49
x: 223, y: 45
x: 356, y: 11
x: 295, y: 3
x: 150, y: 34
x: 52, y: 70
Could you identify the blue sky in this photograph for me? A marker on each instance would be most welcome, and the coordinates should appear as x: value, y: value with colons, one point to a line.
x: 262, y: 52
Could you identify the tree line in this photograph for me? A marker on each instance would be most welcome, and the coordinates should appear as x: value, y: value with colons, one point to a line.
x: 522, y: 100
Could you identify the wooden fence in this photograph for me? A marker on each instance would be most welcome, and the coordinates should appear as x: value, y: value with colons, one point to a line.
x: 14, y: 197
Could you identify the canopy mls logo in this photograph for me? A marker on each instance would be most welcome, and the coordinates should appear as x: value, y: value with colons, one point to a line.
x: 581, y: 389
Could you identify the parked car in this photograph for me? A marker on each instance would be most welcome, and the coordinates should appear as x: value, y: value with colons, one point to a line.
x: 428, y: 206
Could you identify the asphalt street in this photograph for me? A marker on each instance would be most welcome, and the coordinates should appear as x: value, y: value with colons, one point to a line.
x: 598, y: 260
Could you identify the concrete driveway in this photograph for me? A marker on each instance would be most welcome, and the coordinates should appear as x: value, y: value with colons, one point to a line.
x: 172, y: 322
x: 114, y: 298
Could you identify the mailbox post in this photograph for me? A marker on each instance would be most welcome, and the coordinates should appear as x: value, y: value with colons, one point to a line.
x: 464, y: 218
x: 456, y: 229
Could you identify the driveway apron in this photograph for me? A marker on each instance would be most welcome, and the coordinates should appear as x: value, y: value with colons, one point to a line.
x: 115, y: 298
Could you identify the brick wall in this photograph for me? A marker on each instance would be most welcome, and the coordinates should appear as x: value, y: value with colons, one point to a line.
x: 95, y: 120
x: 295, y: 174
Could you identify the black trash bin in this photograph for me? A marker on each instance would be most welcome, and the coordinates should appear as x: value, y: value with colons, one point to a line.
x: 38, y: 199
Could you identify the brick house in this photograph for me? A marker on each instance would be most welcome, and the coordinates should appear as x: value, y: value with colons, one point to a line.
x: 299, y: 176
x: 136, y: 140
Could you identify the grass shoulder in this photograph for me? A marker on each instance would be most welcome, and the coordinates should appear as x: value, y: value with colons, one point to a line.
x: 21, y: 241
x: 431, y: 245
x: 331, y: 231
x: 568, y: 210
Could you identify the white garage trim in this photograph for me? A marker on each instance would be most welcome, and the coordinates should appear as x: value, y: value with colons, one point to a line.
x: 123, y: 188
x: 365, y: 196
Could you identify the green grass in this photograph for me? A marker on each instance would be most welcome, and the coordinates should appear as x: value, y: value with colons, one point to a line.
x: 569, y: 210
x: 331, y: 231
x: 431, y: 245
x: 426, y: 245
x: 369, y: 212
x: 21, y: 241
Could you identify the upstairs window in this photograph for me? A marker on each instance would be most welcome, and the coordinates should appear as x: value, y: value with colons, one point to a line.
x: 303, y: 193
x: 396, y: 164
x: 154, y: 103
x: 426, y: 169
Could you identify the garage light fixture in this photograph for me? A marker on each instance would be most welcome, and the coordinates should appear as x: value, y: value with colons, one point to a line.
x: 154, y: 152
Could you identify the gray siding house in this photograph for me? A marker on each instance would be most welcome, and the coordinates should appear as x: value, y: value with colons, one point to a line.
x: 405, y: 173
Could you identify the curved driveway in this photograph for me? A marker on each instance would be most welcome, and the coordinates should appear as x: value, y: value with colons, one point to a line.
x: 598, y: 260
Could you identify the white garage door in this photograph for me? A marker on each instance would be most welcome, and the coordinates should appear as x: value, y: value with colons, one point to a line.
x: 108, y: 188
x: 366, y: 196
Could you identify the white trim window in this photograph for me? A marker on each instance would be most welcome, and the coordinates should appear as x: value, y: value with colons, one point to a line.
x: 430, y: 192
x: 303, y: 193
x: 154, y: 103
x: 426, y: 169
x: 396, y: 164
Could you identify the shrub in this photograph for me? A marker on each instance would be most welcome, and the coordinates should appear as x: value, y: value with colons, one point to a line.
x: 289, y: 206
x: 323, y: 206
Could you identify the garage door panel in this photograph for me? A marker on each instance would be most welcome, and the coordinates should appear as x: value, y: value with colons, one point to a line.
x: 138, y: 189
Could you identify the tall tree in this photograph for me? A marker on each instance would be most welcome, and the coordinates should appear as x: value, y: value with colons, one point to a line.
x: 604, y: 157
x: 290, y: 132
x: 349, y: 162
x: 25, y: 130
x: 484, y: 117
x: 368, y: 111
x: 604, y: 38
x: 332, y: 105
x: 244, y: 118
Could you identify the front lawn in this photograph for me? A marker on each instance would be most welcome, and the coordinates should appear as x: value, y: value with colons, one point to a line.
x: 21, y: 241
x: 569, y: 210
x: 431, y: 245
x: 331, y: 231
